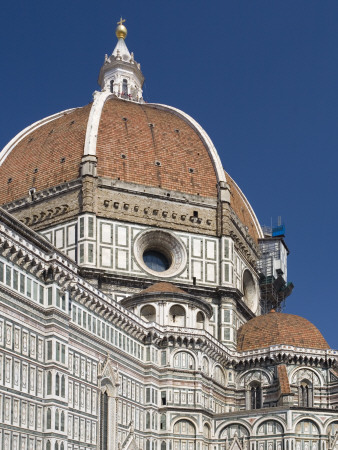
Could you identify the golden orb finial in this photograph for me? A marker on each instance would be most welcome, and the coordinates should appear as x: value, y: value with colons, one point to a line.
x: 121, y: 30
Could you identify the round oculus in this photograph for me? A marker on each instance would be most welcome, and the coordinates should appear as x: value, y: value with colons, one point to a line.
x: 156, y: 260
x: 160, y: 253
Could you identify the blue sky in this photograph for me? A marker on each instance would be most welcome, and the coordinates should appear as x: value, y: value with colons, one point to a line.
x: 260, y: 77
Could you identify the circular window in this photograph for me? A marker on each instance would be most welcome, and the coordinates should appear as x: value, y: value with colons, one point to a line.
x: 160, y: 253
x: 156, y: 260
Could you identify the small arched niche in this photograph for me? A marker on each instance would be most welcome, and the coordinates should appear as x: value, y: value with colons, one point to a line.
x: 200, y: 320
x: 206, y: 431
x: 250, y: 291
x: 205, y: 366
x: 177, y: 316
x: 219, y: 375
x: 148, y: 313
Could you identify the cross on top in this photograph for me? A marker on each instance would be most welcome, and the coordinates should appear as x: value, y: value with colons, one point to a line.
x: 121, y: 21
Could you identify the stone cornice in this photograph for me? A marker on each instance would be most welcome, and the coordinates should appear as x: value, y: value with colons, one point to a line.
x: 154, y: 192
x: 41, y: 196
x: 241, y: 235
x: 289, y: 354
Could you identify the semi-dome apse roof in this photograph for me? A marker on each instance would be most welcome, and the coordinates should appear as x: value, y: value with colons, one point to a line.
x: 279, y: 329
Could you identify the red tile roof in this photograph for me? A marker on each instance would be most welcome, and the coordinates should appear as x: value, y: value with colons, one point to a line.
x: 279, y: 329
x: 283, y: 379
x: 163, y: 287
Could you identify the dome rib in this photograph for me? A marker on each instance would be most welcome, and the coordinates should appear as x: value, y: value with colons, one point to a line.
x: 152, y: 146
x: 203, y: 136
x: 243, y: 209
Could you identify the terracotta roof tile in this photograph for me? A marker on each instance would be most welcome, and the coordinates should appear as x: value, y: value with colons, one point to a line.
x: 279, y: 329
x: 159, y: 148
x: 46, y: 157
x: 163, y: 287
x: 283, y: 379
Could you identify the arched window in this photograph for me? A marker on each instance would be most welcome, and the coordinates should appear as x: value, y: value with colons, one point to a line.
x: 306, y: 431
x: 307, y: 427
x: 49, y: 383
x: 49, y: 419
x: 163, y: 423
x: 62, y: 447
x: 305, y: 394
x: 270, y: 428
x: 63, y: 386
x: 332, y: 431
x: 219, y: 375
x: 184, y: 435
x: 234, y: 430
x: 57, y: 419
x: 48, y: 446
x: 104, y: 421
x: 108, y: 414
x: 112, y: 86
x: 255, y: 395
x: 148, y: 313
x: 200, y: 319
x: 163, y: 445
x: 56, y: 446
x: 206, y: 431
x: 57, y: 384
x: 125, y: 88
x: 177, y: 316
x: 184, y: 360
x: 148, y: 420
x: 62, y: 421
x: 184, y: 428
x: 205, y: 365
x: 207, y: 436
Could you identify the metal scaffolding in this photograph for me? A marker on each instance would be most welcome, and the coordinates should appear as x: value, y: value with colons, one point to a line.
x: 272, y: 269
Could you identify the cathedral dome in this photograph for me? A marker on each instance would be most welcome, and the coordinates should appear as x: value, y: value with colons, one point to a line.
x: 120, y: 138
x: 145, y: 144
x: 136, y: 143
x: 279, y: 329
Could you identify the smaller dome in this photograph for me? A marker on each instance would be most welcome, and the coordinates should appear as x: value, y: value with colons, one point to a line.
x: 168, y: 292
x: 163, y: 287
x: 279, y: 329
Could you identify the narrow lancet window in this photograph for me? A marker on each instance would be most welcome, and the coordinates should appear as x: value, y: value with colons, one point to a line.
x: 104, y: 421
